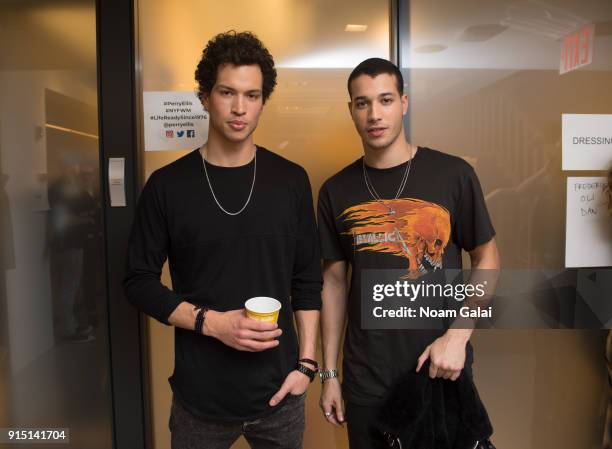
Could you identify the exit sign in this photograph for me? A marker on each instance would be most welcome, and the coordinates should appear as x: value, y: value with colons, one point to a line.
x: 577, y: 49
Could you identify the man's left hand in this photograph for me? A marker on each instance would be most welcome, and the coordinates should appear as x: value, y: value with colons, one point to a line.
x: 447, y: 357
x: 295, y: 383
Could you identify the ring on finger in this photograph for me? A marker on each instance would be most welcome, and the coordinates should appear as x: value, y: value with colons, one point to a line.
x: 328, y: 414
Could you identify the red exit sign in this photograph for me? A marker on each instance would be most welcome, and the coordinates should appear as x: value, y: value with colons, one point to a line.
x: 577, y: 49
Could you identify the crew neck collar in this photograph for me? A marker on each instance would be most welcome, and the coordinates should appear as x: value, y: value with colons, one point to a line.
x: 198, y: 153
x: 395, y: 167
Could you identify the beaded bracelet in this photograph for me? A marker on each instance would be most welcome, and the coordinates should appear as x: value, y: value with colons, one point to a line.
x: 199, y: 321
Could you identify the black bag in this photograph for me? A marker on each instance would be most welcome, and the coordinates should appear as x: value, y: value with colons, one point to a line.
x: 424, y: 413
x: 395, y: 443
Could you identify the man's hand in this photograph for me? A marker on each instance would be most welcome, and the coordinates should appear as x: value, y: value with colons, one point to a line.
x: 447, y: 356
x: 239, y: 332
x: 331, y: 402
x: 295, y: 383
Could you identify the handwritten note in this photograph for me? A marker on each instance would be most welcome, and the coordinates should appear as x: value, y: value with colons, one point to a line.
x: 588, y: 232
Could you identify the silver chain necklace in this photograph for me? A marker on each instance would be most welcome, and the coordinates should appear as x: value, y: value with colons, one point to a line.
x: 215, y: 196
x: 374, y: 193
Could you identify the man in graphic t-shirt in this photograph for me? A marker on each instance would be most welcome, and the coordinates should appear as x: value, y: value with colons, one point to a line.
x: 398, y: 207
x: 235, y: 221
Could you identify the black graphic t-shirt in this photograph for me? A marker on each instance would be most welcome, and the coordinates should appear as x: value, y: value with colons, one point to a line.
x: 440, y: 212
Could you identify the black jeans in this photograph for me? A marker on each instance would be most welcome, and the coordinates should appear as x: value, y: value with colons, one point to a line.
x: 281, y: 429
x: 360, y: 421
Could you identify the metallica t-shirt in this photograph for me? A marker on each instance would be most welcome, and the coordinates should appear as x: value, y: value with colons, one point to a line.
x: 440, y: 212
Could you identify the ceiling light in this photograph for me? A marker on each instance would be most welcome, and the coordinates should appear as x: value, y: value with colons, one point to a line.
x: 353, y: 28
x: 433, y: 48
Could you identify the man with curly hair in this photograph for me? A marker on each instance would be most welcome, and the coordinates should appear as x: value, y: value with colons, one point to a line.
x: 235, y: 221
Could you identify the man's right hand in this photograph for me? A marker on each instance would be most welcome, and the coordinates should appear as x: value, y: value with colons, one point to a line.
x: 237, y: 331
x: 331, y: 402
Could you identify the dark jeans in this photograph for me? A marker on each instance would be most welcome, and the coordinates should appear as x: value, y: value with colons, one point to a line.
x: 360, y: 421
x: 281, y: 429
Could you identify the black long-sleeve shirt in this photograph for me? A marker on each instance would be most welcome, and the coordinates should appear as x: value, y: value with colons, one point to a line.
x: 219, y: 261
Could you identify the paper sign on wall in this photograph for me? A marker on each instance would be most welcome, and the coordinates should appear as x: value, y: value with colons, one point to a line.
x: 587, y: 141
x: 173, y: 121
x: 577, y: 49
x: 588, y: 231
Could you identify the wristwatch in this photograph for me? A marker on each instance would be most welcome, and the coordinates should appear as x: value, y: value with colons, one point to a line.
x: 306, y: 371
x: 325, y: 374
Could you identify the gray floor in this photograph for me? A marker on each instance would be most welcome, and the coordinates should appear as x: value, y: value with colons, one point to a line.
x: 67, y: 387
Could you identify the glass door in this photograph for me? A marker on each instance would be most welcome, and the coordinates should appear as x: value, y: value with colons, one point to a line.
x: 54, y: 345
x: 497, y: 77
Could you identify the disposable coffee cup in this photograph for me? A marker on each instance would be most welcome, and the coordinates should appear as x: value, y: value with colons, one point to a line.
x: 263, y: 308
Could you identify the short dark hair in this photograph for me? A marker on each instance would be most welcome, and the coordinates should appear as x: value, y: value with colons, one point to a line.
x: 238, y: 49
x: 374, y: 67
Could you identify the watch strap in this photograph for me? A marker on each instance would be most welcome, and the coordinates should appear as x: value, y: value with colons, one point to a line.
x: 306, y: 371
x: 326, y: 374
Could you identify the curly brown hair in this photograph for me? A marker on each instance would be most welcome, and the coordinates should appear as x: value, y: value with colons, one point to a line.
x: 242, y: 48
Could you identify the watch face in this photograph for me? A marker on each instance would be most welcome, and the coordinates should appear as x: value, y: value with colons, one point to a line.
x: 328, y: 374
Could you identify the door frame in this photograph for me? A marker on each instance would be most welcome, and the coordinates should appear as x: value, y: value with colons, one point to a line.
x: 118, y: 125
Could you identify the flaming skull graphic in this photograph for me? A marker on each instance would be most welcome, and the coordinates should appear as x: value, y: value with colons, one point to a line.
x: 416, y: 230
